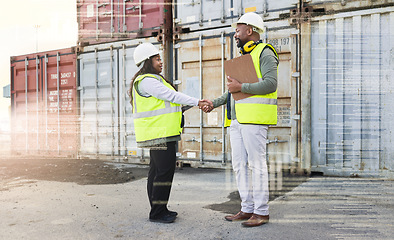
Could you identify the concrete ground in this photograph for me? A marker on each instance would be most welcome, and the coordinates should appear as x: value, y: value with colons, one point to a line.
x: 319, y: 208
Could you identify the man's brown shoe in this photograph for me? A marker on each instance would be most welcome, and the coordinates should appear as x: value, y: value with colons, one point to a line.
x: 239, y: 216
x: 256, y: 220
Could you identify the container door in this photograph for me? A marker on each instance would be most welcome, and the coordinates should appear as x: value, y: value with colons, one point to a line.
x: 351, y: 93
x: 97, y: 20
x: 143, y: 18
x: 60, y: 115
x: 99, y: 103
x: 44, y: 112
x: 26, y: 104
x: 200, y: 73
x: 195, y: 15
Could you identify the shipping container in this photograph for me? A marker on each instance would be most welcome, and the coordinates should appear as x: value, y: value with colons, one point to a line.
x: 44, y: 109
x: 191, y: 15
x: 199, y: 72
x: 101, y: 21
x: 107, y: 128
x: 351, y: 92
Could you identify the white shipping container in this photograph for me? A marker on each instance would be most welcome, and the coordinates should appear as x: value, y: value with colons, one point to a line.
x: 107, y: 129
x: 352, y: 71
x: 192, y: 15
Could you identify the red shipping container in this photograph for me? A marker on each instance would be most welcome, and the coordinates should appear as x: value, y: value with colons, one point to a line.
x: 101, y: 21
x: 44, y: 108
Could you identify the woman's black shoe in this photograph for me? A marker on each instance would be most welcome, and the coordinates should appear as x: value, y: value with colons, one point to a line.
x: 172, y: 213
x: 167, y: 218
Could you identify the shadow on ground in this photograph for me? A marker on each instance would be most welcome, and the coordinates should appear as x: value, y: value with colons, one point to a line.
x: 80, y: 171
x: 286, y: 183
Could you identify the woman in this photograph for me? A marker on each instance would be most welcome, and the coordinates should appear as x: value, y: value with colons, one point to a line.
x: 157, y: 122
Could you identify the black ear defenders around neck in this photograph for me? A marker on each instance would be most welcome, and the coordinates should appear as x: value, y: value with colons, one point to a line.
x: 249, y: 46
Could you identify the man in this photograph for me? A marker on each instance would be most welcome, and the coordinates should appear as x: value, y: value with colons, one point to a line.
x: 250, y: 118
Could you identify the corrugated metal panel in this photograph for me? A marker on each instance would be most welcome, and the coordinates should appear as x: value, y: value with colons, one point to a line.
x: 107, y: 127
x: 43, y: 102
x: 198, y: 15
x: 199, y: 70
x: 351, y: 91
x: 199, y: 58
x: 7, y: 91
x: 99, y: 102
x: 283, y: 147
x: 103, y: 21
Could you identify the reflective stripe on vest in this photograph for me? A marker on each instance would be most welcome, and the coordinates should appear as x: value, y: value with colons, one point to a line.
x: 157, y: 112
x: 269, y: 101
x: 258, y: 109
x: 155, y: 118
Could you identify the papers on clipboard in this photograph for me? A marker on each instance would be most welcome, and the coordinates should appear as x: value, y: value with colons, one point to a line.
x: 242, y: 69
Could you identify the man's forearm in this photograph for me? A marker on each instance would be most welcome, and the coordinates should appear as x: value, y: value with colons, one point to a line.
x: 220, y: 100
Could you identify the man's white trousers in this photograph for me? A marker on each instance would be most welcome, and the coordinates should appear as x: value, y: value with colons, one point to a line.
x: 248, y: 146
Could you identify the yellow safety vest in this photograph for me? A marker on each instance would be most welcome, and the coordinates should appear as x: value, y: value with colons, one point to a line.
x: 257, y: 109
x: 154, y: 118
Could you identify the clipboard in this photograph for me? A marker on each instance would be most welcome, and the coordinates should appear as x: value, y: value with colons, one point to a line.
x: 242, y: 69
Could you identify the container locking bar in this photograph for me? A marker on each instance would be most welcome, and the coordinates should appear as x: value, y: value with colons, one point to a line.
x: 276, y: 141
x: 193, y: 140
x: 215, y: 140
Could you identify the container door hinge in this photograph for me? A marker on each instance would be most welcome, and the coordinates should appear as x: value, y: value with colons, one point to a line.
x: 296, y: 117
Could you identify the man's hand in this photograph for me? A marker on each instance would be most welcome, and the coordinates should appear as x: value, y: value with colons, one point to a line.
x: 233, y: 85
x: 206, y: 105
x: 207, y: 108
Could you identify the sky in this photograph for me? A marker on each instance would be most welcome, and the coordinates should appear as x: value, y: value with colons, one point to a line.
x: 29, y: 26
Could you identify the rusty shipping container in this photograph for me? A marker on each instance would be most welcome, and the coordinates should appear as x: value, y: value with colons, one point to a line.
x: 44, y: 113
x: 199, y: 72
x: 101, y: 21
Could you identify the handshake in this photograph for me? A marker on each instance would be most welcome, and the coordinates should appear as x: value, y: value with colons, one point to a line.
x: 205, y: 105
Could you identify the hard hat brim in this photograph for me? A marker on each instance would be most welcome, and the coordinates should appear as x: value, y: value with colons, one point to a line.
x: 234, y: 25
x: 142, y: 62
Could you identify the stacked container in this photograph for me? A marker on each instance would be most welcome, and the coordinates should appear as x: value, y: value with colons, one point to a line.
x: 334, y: 83
x: 109, y: 31
x: 44, y: 104
x: 315, y: 41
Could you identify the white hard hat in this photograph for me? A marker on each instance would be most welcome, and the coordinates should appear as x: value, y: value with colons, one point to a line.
x: 252, y: 19
x: 143, y: 52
